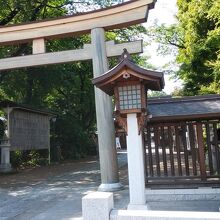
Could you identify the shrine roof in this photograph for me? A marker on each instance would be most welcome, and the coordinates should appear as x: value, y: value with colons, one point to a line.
x: 185, y: 108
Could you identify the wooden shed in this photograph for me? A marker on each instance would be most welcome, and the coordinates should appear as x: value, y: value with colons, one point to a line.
x: 26, y: 128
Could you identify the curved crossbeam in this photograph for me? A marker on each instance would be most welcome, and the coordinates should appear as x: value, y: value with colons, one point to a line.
x: 123, y: 15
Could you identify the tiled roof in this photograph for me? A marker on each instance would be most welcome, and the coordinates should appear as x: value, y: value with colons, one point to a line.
x: 193, y: 107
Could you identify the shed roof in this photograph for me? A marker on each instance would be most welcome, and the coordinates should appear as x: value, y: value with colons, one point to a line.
x: 186, y: 108
x: 23, y: 107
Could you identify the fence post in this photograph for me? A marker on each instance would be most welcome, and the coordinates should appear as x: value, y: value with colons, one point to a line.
x: 201, y: 151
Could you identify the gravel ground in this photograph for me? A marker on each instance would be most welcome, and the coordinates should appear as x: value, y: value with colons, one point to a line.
x: 52, y: 192
x: 55, y: 192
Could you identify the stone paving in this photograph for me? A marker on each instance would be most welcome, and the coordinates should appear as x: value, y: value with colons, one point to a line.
x: 59, y: 197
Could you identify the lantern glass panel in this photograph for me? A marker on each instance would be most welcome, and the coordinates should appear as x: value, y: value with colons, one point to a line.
x: 130, y: 97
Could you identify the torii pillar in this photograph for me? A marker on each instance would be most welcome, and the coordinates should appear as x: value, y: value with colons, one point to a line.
x: 104, y: 113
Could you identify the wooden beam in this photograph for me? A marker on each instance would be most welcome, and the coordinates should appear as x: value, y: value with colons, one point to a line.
x: 133, y: 47
x: 67, y: 56
x: 122, y: 15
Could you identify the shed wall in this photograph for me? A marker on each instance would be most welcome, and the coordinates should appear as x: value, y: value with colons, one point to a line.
x: 28, y: 130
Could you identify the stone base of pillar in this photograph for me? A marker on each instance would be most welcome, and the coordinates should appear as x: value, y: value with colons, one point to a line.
x: 5, y: 168
x: 5, y: 165
x: 137, y: 207
x: 97, y: 206
x: 110, y: 187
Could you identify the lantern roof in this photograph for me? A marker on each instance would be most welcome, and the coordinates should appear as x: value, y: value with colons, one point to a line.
x: 128, y: 71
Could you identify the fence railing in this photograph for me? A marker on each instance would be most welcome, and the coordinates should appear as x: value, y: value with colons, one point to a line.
x: 186, y: 150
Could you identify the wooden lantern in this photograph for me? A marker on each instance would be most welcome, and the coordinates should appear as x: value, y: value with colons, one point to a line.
x: 129, y: 84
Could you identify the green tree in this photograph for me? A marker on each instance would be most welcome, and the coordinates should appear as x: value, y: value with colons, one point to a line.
x: 199, y: 22
x: 65, y: 89
x: 196, y: 38
x: 157, y: 94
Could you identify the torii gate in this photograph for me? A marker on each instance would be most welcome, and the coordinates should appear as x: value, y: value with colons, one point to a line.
x: 96, y: 23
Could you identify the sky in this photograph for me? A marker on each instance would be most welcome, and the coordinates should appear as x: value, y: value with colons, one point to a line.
x: 164, y: 12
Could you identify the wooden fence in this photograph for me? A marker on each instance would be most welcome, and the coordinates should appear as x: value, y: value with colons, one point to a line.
x: 182, y: 151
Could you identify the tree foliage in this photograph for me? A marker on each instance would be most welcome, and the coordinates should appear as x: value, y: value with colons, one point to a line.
x: 66, y: 88
x: 158, y: 94
x: 199, y: 21
x: 196, y: 37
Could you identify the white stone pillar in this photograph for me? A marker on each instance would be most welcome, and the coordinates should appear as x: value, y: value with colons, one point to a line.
x: 104, y: 114
x: 5, y: 165
x: 135, y: 154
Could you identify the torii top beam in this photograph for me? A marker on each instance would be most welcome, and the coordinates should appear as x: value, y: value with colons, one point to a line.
x: 119, y: 16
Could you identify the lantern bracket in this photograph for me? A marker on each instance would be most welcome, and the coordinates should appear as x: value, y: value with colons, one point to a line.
x: 141, y: 121
x: 121, y: 121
